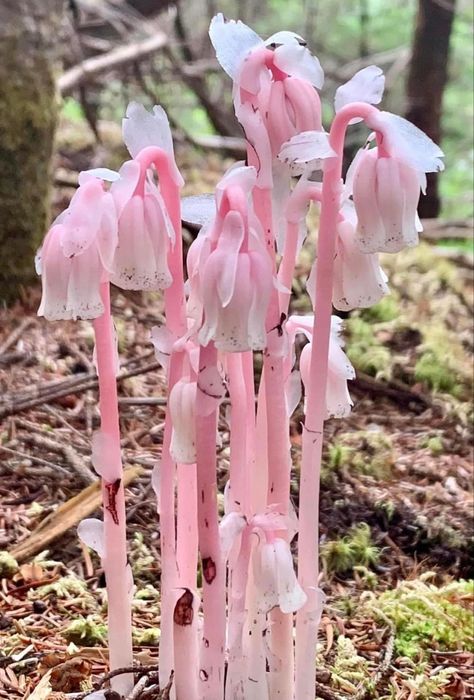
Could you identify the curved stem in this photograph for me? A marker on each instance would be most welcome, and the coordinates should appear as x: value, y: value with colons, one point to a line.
x: 115, y: 557
x: 307, y: 619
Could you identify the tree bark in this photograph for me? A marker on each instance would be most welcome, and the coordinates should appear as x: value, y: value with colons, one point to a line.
x: 28, y: 111
x: 427, y: 79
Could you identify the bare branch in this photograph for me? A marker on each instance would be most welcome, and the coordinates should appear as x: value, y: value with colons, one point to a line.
x: 89, y: 69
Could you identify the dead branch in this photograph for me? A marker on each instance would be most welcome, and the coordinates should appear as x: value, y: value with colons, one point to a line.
x: 395, y: 390
x: 68, y: 515
x: 91, y: 68
x: 51, y: 391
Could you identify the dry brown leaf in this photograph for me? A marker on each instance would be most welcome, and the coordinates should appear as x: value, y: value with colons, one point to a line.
x: 43, y: 690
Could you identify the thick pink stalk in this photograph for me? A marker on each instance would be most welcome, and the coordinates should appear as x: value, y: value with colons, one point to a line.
x: 115, y: 538
x: 307, y: 619
x: 240, y: 481
x: 211, y: 671
x: 278, y: 456
x: 178, y: 545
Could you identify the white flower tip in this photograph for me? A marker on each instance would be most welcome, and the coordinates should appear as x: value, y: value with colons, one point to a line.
x: 367, y: 85
x: 91, y: 533
x: 232, y: 41
x: 306, y: 147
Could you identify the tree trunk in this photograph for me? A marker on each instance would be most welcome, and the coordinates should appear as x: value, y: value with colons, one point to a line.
x: 28, y: 110
x: 427, y: 78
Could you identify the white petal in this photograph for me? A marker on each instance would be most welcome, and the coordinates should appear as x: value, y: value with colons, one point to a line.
x: 306, y: 147
x: 297, y: 61
x: 141, y: 129
x: 232, y: 41
x: 292, y: 392
x: 291, y: 596
x: 198, y: 209
x: 156, y: 485
x: 367, y: 85
x: 106, y: 456
x: 91, y: 533
x: 100, y: 173
x: 408, y: 143
x: 163, y: 341
x: 284, y: 37
x: 230, y: 528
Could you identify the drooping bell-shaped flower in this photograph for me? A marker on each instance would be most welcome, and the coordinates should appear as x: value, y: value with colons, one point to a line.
x: 385, y: 193
x: 205, y: 381
x: 340, y: 370
x: 275, y: 578
x: 230, y: 271
x: 145, y: 232
x: 77, y: 254
x: 358, y: 280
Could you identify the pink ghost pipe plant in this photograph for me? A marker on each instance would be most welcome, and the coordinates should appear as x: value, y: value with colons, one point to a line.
x: 92, y: 243
x: 402, y: 155
x: 238, y: 302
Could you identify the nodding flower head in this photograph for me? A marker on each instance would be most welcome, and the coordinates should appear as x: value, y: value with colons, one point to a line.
x: 77, y: 254
x: 274, y: 83
x: 145, y: 232
x: 385, y: 192
x: 386, y: 183
x: 230, y: 270
x: 338, y: 400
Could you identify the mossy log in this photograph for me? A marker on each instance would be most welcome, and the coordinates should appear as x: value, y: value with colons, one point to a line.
x: 28, y: 112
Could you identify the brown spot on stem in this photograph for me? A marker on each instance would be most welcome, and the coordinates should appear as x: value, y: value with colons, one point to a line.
x: 183, y: 610
x: 209, y: 569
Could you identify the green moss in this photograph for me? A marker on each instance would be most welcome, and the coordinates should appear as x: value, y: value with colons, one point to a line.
x: 86, y: 632
x: 8, y: 565
x: 433, y: 443
x: 28, y: 110
x: 349, y: 670
x: 426, y: 617
x: 146, y: 638
x: 354, y: 549
x: 142, y: 560
x: 434, y: 372
x: 364, y: 350
x: 366, y: 452
x: 386, y: 310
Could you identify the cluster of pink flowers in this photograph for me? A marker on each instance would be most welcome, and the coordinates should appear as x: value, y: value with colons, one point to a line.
x: 250, y: 633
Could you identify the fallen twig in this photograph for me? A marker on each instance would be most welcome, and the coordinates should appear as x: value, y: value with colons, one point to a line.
x: 68, y: 515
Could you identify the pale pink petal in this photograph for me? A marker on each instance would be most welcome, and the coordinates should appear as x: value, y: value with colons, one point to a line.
x: 230, y: 240
x: 308, y: 149
x: 367, y: 85
x: 292, y: 392
x: 232, y: 41
x: 258, y: 139
x: 55, y: 270
x: 83, y: 291
x: 123, y: 189
x: 408, y: 143
x: 359, y: 281
x: 141, y: 129
x: 370, y: 229
x: 275, y: 578
x: 230, y: 529
x: 198, y: 209
x: 297, y: 61
x: 163, y: 341
x: 156, y: 484
x: 91, y: 533
x: 182, y: 406
x: 239, y: 175
x: 107, y: 236
x: 83, y: 217
x: 98, y: 173
x: 106, y: 457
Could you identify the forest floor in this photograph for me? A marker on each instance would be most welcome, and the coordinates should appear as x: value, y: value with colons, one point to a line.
x: 396, y: 502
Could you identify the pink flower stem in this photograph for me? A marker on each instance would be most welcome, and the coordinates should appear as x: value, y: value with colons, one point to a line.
x: 307, y: 618
x: 113, y: 497
x: 279, y: 463
x: 211, y: 672
x: 179, y: 544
